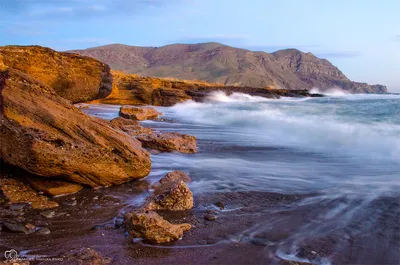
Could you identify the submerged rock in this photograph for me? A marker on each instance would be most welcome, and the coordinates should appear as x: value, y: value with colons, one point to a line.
x: 152, y: 227
x: 138, y: 113
x: 18, y: 192
x: 171, y: 193
x: 47, y: 136
x: 169, y: 141
x: 54, y: 187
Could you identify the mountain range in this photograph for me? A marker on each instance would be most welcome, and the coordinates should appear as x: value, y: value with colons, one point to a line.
x: 218, y: 63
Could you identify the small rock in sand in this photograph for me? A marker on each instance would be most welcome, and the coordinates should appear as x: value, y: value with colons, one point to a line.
x: 152, y: 227
x: 43, y: 231
x: 171, y: 193
x: 210, y: 217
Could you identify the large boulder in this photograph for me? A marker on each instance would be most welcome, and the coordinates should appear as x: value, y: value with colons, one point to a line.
x: 46, y: 135
x: 138, y: 113
x: 152, y: 227
x: 72, y: 76
x: 171, y: 193
x: 169, y: 141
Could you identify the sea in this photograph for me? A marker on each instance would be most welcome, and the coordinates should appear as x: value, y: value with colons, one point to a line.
x: 342, y: 149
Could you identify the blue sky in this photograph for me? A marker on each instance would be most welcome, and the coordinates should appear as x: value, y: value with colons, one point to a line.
x: 361, y: 37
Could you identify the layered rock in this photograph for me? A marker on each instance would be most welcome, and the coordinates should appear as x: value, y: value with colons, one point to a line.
x: 171, y: 193
x: 218, y: 63
x: 169, y: 141
x: 73, y: 77
x: 152, y: 227
x: 138, y: 113
x: 54, y: 187
x: 162, y: 141
x: 131, y: 127
x: 18, y: 192
x: 44, y: 134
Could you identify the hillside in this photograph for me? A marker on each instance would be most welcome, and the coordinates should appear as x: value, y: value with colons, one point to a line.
x: 214, y: 62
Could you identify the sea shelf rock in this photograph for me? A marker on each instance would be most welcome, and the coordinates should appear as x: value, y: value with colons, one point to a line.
x: 162, y: 141
x: 18, y: 192
x: 54, y: 187
x: 138, y: 113
x: 169, y: 141
x: 152, y: 227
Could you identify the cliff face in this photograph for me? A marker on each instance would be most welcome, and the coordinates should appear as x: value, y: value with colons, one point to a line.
x: 214, y: 62
x: 71, y: 76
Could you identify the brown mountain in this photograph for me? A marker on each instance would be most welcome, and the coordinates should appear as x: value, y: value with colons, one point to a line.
x: 214, y: 62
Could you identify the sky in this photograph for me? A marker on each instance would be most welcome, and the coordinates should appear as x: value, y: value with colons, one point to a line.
x: 361, y: 37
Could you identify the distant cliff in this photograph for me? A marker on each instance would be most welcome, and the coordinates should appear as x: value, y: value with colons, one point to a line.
x: 214, y: 62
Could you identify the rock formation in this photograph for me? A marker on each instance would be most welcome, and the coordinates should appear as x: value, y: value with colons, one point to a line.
x: 218, y: 63
x: 46, y: 135
x: 18, y: 192
x: 162, y: 141
x: 169, y: 141
x: 52, y: 187
x: 171, y: 193
x: 152, y: 227
x: 73, y: 77
x: 138, y: 113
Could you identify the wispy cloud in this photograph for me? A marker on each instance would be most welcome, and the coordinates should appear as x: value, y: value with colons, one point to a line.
x: 79, y: 9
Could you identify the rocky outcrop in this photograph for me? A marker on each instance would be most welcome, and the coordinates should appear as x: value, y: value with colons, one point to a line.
x: 152, y: 227
x: 44, y: 134
x: 169, y: 141
x: 131, y: 127
x: 18, y: 192
x: 73, y: 77
x: 218, y: 63
x: 138, y: 113
x: 171, y: 193
x: 162, y: 141
x: 52, y: 187
x: 138, y: 90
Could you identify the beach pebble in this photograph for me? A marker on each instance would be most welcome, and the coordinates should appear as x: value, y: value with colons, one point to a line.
x: 48, y: 214
x: 210, y: 217
x: 43, y: 231
x: 202, y: 242
x: 220, y: 204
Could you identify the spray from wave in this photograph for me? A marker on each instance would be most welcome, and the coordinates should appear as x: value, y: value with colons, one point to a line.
x: 334, y: 92
x: 220, y: 96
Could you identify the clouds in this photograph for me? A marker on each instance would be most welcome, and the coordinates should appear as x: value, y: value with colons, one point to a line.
x: 79, y: 9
